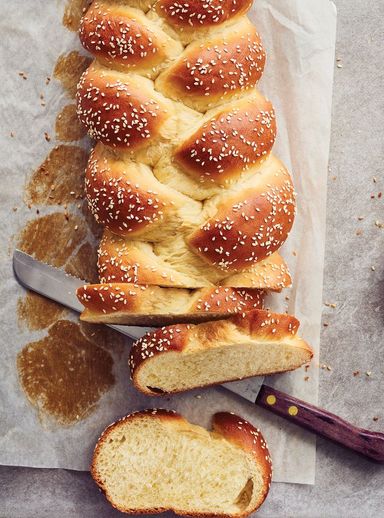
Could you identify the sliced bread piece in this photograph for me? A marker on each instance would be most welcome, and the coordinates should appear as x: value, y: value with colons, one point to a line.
x: 131, y: 304
x: 183, y: 357
x: 156, y: 461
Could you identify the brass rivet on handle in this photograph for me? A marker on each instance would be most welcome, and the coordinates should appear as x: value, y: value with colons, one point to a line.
x: 293, y: 410
x: 271, y: 399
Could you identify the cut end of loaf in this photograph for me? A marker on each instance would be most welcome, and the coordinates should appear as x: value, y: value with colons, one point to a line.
x: 156, y: 461
x: 184, y: 357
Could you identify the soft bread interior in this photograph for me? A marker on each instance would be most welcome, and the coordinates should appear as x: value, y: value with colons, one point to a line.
x: 152, y: 464
x: 174, y: 372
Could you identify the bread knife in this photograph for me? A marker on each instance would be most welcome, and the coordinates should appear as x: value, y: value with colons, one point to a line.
x: 61, y: 287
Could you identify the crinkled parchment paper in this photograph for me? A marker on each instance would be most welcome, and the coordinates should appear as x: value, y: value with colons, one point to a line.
x: 299, y: 36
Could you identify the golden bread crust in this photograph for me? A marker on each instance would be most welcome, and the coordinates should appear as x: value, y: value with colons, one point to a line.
x: 250, y: 225
x: 213, y: 71
x: 196, y: 14
x: 234, y: 139
x: 121, y: 113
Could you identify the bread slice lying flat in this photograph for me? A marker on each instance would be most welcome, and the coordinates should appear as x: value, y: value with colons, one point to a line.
x: 156, y: 461
x: 182, y: 357
x: 130, y: 304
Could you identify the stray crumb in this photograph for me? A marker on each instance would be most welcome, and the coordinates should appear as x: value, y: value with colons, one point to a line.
x: 372, y: 196
x: 374, y: 179
x: 334, y: 178
x: 12, y: 134
x: 23, y: 75
x: 37, y: 211
x: 329, y: 368
x: 306, y: 378
x: 287, y: 298
x: 373, y: 268
x: 338, y: 59
x: 368, y: 373
x: 379, y: 194
x: 325, y: 324
x: 356, y: 373
x: 360, y: 218
x: 294, y: 253
x: 379, y: 224
x: 330, y: 304
x: 375, y: 418
x: 48, y: 80
x: 14, y: 209
x: 47, y: 137
x: 359, y: 232
x: 339, y: 65
x: 306, y: 368
x: 198, y: 396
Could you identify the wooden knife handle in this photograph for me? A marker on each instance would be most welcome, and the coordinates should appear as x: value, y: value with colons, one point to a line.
x: 323, y: 423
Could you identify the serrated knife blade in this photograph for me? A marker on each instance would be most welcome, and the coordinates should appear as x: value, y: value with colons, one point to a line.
x: 59, y: 286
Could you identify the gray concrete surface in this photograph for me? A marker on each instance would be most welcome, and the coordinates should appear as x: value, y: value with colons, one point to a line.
x: 346, y: 485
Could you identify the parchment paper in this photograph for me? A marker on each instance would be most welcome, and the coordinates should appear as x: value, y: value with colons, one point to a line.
x: 299, y: 36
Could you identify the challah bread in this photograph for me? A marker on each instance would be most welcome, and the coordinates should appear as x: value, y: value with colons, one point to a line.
x: 186, y: 356
x: 155, y: 461
x: 183, y: 174
x: 138, y: 305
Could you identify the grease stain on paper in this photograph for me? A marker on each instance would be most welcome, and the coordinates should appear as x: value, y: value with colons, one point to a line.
x: 84, y: 264
x: 38, y: 312
x: 73, y: 12
x: 68, y: 70
x: 52, y: 238
x: 68, y: 128
x: 60, y: 178
x: 96, y: 228
x: 65, y: 374
x: 105, y: 337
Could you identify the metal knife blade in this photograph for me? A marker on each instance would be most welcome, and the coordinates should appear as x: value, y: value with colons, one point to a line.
x: 58, y: 285
x: 248, y: 388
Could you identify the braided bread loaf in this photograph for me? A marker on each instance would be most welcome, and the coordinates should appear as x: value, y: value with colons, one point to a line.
x: 182, y: 175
